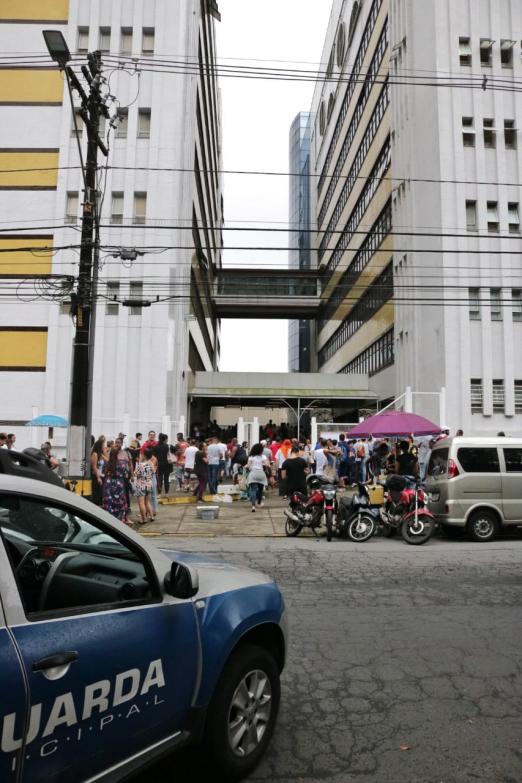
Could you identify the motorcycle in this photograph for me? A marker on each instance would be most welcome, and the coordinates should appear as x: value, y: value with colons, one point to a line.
x: 406, y: 510
x: 307, y: 511
x: 357, y: 517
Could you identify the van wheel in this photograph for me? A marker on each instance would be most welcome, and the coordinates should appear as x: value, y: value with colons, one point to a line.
x: 483, y: 526
x: 242, y: 713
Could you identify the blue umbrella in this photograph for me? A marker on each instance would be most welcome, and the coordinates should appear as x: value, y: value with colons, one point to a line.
x: 48, y: 420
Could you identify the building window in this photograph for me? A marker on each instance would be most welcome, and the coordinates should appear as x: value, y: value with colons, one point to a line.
x: 516, y: 304
x: 322, y: 118
x: 83, y: 40
x: 495, y: 304
x: 121, y: 127
x: 506, y: 53
x: 117, y: 208
x: 341, y: 44
x: 140, y: 208
x: 474, y: 304
x: 331, y: 102
x: 499, y: 401
x: 477, y: 395
x: 493, y: 224
x: 104, y: 40
x: 513, y: 217
x: 518, y: 396
x: 144, y: 123
x: 77, y: 117
x: 490, y: 134
x: 468, y: 132
x: 486, y: 52
x: 136, y: 294
x: 471, y: 215
x: 126, y: 41
x: 113, y: 291
x: 510, y: 135
x: 356, y: 10
x: 331, y: 63
x: 147, y: 40
x: 465, y: 51
x: 71, y: 208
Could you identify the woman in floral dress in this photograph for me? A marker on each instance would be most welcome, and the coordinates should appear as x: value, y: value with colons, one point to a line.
x: 114, y: 487
x: 143, y: 481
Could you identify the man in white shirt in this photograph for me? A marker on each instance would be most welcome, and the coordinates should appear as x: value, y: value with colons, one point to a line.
x: 216, y: 452
x: 320, y: 458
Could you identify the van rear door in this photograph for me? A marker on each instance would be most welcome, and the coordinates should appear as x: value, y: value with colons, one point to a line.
x: 512, y: 484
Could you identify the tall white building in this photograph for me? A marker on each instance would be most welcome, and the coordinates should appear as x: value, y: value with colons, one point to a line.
x: 161, y: 195
x: 417, y: 148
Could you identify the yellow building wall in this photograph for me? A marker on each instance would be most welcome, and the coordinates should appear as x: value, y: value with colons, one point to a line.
x: 25, y: 262
x: 23, y: 349
x: 30, y: 86
x: 34, y: 10
x: 28, y: 169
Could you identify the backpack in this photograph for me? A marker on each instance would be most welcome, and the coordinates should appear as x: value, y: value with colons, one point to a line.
x: 241, y: 456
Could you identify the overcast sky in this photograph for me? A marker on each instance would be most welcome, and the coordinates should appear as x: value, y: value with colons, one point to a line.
x: 257, y: 115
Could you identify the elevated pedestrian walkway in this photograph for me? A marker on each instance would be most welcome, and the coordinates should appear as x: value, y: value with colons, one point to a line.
x: 270, y: 293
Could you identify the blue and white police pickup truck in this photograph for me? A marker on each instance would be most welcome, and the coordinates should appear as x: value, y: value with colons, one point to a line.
x: 114, y: 653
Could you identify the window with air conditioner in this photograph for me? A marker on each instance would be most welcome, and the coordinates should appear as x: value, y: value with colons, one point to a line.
x: 490, y: 133
x: 104, y: 40
x: 117, y: 208
x: 147, y: 40
x: 493, y: 224
x: 71, y: 208
x: 506, y: 53
x: 499, y: 400
x: 510, y: 135
x: 471, y: 215
x: 495, y: 303
x: 516, y: 304
x: 122, y: 123
x: 113, y: 291
x: 513, y: 217
x: 126, y: 41
x: 140, y: 208
x: 468, y: 132
x: 477, y: 395
x: 136, y: 294
x: 144, y: 123
x: 474, y: 304
x: 465, y: 51
x: 83, y: 40
x: 486, y: 52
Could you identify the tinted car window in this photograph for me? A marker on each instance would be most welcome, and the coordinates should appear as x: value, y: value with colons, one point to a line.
x: 438, y: 464
x: 479, y: 460
x: 513, y: 459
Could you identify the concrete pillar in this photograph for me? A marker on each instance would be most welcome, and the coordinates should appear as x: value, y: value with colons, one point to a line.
x: 313, y: 430
x: 255, y: 431
x: 442, y: 407
x: 240, y: 430
x: 182, y: 425
x: 166, y: 426
x: 408, y: 400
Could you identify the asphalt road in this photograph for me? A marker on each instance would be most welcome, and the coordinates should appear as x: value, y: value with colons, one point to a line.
x: 405, y: 663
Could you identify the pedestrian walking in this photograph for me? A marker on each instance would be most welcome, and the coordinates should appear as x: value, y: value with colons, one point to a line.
x: 201, y: 470
x: 117, y: 475
x: 256, y: 479
x: 164, y: 469
x: 143, y: 479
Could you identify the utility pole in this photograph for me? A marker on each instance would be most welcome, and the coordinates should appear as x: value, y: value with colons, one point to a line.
x: 84, y: 301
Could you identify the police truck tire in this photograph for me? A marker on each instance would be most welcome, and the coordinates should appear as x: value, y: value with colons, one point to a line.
x: 251, y: 673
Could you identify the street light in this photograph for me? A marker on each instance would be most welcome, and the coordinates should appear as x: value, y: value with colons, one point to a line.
x: 57, y: 47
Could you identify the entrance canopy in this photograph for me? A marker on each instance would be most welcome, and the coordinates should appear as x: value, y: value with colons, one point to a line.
x: 264, y: 389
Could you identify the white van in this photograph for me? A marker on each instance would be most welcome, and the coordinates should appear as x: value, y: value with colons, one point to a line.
x: 476, y: 483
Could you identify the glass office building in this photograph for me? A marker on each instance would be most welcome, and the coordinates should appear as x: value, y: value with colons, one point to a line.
x: 300, y: 331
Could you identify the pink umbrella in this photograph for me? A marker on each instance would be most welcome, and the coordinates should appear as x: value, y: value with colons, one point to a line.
x: 393, y: 423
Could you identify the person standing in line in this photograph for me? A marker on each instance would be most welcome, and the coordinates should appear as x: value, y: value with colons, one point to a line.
x: 407, y: 464
x: 320, y: 458
x: 161, y: 452
x: 139, y: 436
x: 98, y: 462
x: 190, y: 456
x: 150, y: 443
x: 215, y: 453
x: 256, y: 479
x: 294, y: 472
x: 280, y: 457
x: 361, y: 452
x: 274, y: 447
x: 351, y: 464
x: 201, y: 470
x: 423, y: 455
x: 125, y: 457
x: 143, y: 486
x: 181, y: 447
x: 115, y: 486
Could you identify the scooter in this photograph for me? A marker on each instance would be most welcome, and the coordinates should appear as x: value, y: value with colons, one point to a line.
x: 307, y: 511
x: 357, y: 518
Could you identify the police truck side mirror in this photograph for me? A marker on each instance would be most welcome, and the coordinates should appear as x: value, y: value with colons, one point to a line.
x: 182, y: 581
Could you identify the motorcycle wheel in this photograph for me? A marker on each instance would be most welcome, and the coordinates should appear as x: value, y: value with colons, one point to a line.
x: 361, y: 528
x: 426, y: 528
x: 329, y: 525
x: 292, y: 529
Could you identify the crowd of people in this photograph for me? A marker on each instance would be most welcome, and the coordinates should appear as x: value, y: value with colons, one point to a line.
x: 150, y: 469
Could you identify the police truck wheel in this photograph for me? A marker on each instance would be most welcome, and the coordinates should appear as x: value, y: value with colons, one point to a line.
x: 242, y: 713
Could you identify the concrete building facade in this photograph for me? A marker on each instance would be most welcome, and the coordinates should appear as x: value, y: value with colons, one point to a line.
x: 161, y: 194
x: 417, y: 152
